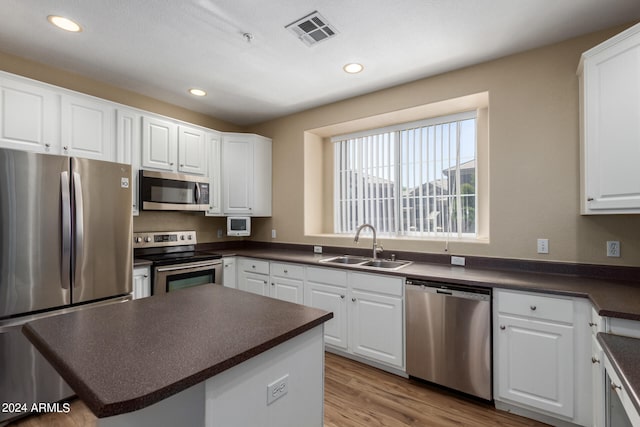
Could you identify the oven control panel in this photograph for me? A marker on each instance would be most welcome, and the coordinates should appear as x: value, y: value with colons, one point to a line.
x: 163, y: 238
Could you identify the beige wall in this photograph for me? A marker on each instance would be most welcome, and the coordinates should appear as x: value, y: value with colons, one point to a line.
x: 533, y: 159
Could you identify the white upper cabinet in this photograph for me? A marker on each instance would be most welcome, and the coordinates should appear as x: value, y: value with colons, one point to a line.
x: 246, y: 167
x: 215, y: 175
x: 159, y: 144
x: 192, y: 155
x: 29, y: 116
x: 171, y: 147
x: 128, y: 137
x: 87, y: 128
x: 610, y: 125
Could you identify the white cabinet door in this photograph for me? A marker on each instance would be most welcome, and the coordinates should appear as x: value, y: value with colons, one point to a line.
x: 87, y: 128
x: 128, y: 139
x: 255, y: 283
x: 192, y: 154
x: 287, y: 289
x: 141, y: 282
x: 611, y: 125
x: 535, y: 364
x: 376, y: 327
x: 246, y: 174
x: 29, y: 117
x: 237, y: 160
x: 229, y: 276
x: 215, y: 175
x: 330, y: 298
x: 159, y: 144
x: 598, y: 383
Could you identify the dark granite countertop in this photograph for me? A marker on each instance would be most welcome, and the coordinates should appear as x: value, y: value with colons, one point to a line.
x: 139, y: 262
x: 611, y: 298
x: 123, y: 357
x: 624, y: 355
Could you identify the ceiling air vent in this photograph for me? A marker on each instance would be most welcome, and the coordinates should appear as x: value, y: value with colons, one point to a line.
x: 312, y: 29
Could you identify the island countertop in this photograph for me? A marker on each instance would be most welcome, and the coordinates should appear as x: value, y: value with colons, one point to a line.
x: 123, y: 357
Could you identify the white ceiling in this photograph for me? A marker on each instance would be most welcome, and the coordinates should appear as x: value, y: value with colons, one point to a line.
x: 161, y: 48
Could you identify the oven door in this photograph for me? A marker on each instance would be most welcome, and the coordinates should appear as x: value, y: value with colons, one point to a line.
x: 168, y: 278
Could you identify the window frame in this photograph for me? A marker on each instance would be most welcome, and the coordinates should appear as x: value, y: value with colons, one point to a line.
x: 398, y: 192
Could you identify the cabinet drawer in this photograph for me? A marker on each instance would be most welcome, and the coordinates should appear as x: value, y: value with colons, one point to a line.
x: 329, y: 276
x: 292, y: 271
x: 254, y: 265
x: 535, y: 306
x: 376, y: 283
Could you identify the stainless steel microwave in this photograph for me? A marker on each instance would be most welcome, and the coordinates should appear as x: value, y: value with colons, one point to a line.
x: 168, y: 191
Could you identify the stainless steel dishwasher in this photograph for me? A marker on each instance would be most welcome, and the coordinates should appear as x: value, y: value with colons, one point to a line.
x: 448, y: 332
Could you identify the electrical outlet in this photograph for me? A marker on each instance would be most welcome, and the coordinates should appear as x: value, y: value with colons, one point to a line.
x: 458, y: 260
x: 219, y: 233
x: 273, y: 233
x: 277, y: 389
x: 613, y: 248
x: 543, y: 246
x: 317, y: 249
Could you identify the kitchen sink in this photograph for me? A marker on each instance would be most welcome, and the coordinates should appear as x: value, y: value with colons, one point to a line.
x: 346, y: 259
x: 358, y: 261
x: 386, y: 264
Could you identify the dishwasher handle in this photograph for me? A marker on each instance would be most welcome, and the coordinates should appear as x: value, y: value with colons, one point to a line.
x: 449, y: 290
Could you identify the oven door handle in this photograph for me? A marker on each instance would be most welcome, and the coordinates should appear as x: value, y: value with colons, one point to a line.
x: 188, y: 266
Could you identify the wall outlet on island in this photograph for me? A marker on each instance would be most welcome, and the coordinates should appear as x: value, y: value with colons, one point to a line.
x: 458, y: 260
x: 317, y: 249
x: 277, y: 389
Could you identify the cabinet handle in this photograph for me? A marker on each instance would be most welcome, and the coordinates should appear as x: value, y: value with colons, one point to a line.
x: 253, y: 266
x: 533, y: 308
x: 342, y: 296
x: 353, y: 299
x: 502, y: 327
x: 594, y: 360
x: 589, y: 199
x: 66, y: 148
x: 47, y: 145
x: 265, y: 282
x: 592, y: 324
x: 615, y: 386
x: 145, y: 276
x: 171, y: 164
x: 286, y: 272
x: 273, y: 284
x: 181, y: 166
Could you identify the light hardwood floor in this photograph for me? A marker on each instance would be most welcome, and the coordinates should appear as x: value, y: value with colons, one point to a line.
x: 357, y: 395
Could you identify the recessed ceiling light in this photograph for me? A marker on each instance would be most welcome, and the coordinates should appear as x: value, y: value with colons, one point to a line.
x: 353, y: 68
x: 197, y: 92
x: 64, y: 23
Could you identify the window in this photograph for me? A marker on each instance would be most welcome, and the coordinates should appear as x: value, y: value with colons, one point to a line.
x: 416, y: 179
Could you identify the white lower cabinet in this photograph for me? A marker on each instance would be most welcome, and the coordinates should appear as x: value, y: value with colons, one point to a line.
x: 141, y: 282
x: 326, y: 289
x: 368, y: 312
x: 287, y: 282
x: 377, y: 317
x: 229, y: 272
x: 253, y: 276
x: 542, y: 352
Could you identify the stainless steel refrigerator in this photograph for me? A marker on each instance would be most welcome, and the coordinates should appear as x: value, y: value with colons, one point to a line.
x: 65, y: 244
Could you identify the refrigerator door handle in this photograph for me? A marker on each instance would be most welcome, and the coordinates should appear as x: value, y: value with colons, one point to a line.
x: 78, y: 253
x: 65, y: 268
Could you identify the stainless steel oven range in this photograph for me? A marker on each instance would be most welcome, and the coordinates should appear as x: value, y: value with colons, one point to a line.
x: 176, y: 262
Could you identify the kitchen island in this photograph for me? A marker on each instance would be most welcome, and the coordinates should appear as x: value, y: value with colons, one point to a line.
x: 206, y: 355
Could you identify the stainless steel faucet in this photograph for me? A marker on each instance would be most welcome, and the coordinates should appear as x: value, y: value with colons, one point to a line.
x: 376, y: 248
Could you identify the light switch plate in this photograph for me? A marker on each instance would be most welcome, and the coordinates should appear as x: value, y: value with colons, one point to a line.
x: 317, y: 249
